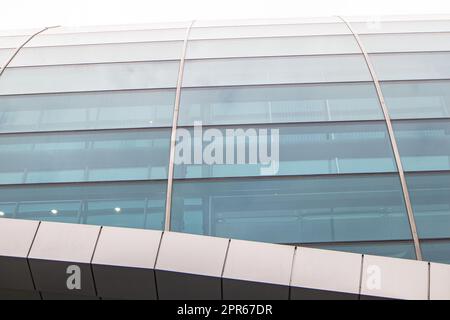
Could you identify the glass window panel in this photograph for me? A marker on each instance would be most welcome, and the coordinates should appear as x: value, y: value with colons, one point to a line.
x: 84, y: 156
x: 278, y: 104
x: 395, y: 249
x: 417, y: 99
x: 12, y: 42
x: 129, y: 204
x: 406, y: 42
x: 74, y: 37
x: 270, y: 30
x: 377, y: 26
x: 275, y: 46
x: 90, y: 77
x: 87, y: 110
x: 293, y: 150
x: 411, y: 66
x: 424, y: 144
x: 5, y: 55
x: 275, y: 70
x: 292, y: 210
x: 436, y: 251
x: 122, y: 52
x: 430, y: 199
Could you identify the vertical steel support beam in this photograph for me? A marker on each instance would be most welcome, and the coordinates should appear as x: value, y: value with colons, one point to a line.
x: 412, y: 222
x: 3, y: 68
x: 173, y: 137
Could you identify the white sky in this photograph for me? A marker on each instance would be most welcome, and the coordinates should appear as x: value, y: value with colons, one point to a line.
x: 16, y: 14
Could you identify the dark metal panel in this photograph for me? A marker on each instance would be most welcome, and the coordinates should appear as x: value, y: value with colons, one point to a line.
x: 57, y: 248
x: 124, y: 262
x: 8, y: 294
x: 190, y: 266
x: 16, y: 238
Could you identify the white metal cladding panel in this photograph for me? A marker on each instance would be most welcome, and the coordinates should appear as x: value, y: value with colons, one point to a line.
x: 394, y: 278
x: 186, y: 253
x: 327, y: 270
x: 259, y: 262
x: 127, y: 247
x: 439, y: 281
x: 98, y: 53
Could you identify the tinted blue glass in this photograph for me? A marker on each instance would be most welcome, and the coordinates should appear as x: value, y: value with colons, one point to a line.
x: 436, y: 251
x: 125, y: 204
x: 84, y: 156
x: 292, y: 210
x: 417, y: 99
x: 272, y: 104
x: 430, y: 198
x: 402, y: 250
x: 86, y: 110
x: 424, y: 144
x: 292, y: 150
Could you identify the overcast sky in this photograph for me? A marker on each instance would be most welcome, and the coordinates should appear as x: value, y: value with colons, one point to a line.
x: 37, y: 13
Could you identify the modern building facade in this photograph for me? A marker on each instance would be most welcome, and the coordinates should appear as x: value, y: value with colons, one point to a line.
x: 89, y: 123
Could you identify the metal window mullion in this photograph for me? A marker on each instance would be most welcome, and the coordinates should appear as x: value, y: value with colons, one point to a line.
x: 173, y: 137
x: 404, y: 185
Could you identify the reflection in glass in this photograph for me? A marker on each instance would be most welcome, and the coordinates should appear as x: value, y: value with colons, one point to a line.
x: 86, y: 110
x: 430, y: 199
x: 275, y: 70
x: 279, y: 103
x: 424, y: 144
x: 142, y: 204
x: 84, y: 156
x: 395, y: 249
x: 417, y: 99
x: 295, y: 149
x: 293, y: 210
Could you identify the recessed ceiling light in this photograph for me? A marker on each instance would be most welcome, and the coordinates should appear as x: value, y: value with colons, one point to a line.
x: 54, y: 211
x: 117, y: 209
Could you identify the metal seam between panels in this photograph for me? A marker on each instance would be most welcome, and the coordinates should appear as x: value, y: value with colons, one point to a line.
x: 3, y: 68
x: 173, y: 137
x: 411, y: 219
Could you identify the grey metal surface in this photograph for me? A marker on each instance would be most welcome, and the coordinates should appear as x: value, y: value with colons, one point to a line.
x: 58, y: 246
x: 8, y: 294
x: 398, y: 161
x: 16, y: 238
x: 394, y: 278
x: 124, y: 261
x: 255, y: 270
x: 439, y: 281
x: 190, y: 266
x: 320, y: 274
